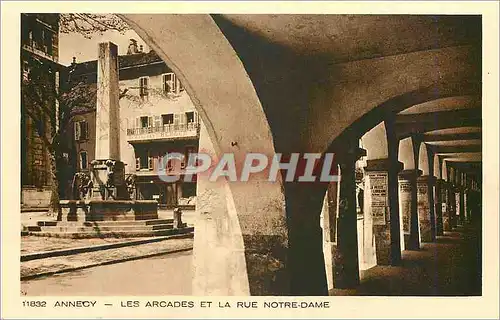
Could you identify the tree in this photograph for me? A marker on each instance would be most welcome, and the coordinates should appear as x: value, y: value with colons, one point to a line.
x: 49, y: 106
x: 89, y: 24
x: 49, y: 101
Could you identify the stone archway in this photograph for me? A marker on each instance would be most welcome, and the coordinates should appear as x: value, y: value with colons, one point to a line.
x: 251, y: 236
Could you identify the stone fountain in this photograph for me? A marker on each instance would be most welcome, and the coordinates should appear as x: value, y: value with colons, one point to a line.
x: 107, y: 209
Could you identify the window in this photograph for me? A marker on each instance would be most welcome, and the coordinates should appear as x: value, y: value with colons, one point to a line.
x: 83, y: 160
x: 81, y: 130
x: 167, y: 118
x: 144, y: 160
x: 171, y: 85
x: 143, y: 86
x: 190, y: 117
x: 170, y: 164
x: 144, y: 122
x: 188, y: 189
x: 187, y: 151
x: 47, y: 39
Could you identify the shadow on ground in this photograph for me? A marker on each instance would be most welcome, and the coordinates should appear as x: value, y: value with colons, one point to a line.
x: 450, y: 267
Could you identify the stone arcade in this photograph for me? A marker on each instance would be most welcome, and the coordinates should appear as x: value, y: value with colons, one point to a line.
x: 274, y: 84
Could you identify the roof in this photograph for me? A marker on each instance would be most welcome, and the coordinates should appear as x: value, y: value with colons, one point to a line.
x: 124, y: 61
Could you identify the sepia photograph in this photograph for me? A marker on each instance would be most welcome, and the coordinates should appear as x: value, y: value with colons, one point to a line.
x: 163, y: 156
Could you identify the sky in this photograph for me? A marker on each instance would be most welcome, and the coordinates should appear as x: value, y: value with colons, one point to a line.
x: 76, y: 45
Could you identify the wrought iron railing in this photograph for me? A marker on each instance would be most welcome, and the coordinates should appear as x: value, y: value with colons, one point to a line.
x: 167, y: 130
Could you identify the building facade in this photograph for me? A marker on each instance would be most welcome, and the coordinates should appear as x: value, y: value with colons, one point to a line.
x: 156, y: 117
x: 39, y: 81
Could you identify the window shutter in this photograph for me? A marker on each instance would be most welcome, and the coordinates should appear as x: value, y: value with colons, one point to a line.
x: 143, y: 84
x: 157, y: 121
x: 137, y: 122
x: 150, y: 161
x: 77, y: 130
x: 180, y: 86
x: 150, y: 121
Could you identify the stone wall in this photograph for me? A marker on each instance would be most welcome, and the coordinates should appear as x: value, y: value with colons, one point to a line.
x: 35, y: 198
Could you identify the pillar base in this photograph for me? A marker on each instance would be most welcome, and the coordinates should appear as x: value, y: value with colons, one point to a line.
x: 408, y: 205
x: 387, y: 242
x: 108, y: 180
x: 426, y: 223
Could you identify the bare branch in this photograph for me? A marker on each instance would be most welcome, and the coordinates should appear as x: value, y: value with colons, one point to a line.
x: 88, y: 24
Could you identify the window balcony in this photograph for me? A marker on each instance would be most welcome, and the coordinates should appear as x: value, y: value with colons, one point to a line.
x: 166, y: 132
x: 38, y: 49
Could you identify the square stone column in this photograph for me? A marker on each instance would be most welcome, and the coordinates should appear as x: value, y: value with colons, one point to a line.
x: 408, y: 208
x: 452, y: 207
x: 445, y: 205
x: 107, y: 171
x: 346, y: 260
x: 329, y: 223
x: 439, y: 201
x: 426, y: 220
x: 457, y: 208
x: 378, y: 206
x: 461, y: 211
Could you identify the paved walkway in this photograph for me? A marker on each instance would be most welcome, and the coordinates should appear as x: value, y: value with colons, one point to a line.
x: 449, y: 267
x: 91, y: 259
x: 169, y: 274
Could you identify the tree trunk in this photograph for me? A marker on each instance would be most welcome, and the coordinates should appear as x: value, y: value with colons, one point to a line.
x: 54, y: 207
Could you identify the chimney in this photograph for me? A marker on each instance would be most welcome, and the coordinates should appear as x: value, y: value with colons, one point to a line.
x: 132, y: 47
x: 141, y: 48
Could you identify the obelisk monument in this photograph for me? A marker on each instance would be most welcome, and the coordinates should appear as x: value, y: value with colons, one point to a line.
x: 108, y: 172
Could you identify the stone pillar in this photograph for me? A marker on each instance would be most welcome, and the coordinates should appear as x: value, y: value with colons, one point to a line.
x: 461, y: 212
x: 425, y: 216
x: 346, y: 256
x: 408, y: 207
x: 378, y: 205
x: 218, y: 249
x: 241, y: 242
x: 452, y: 207
x: 395, y: 168
x: 108, y: 172
x: 445, y: 191
x: 439, y: 207
x: 303, y: 207
x: 329, y: 224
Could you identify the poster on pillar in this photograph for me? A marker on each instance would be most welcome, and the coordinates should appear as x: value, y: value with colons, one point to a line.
x: 378, y: 190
